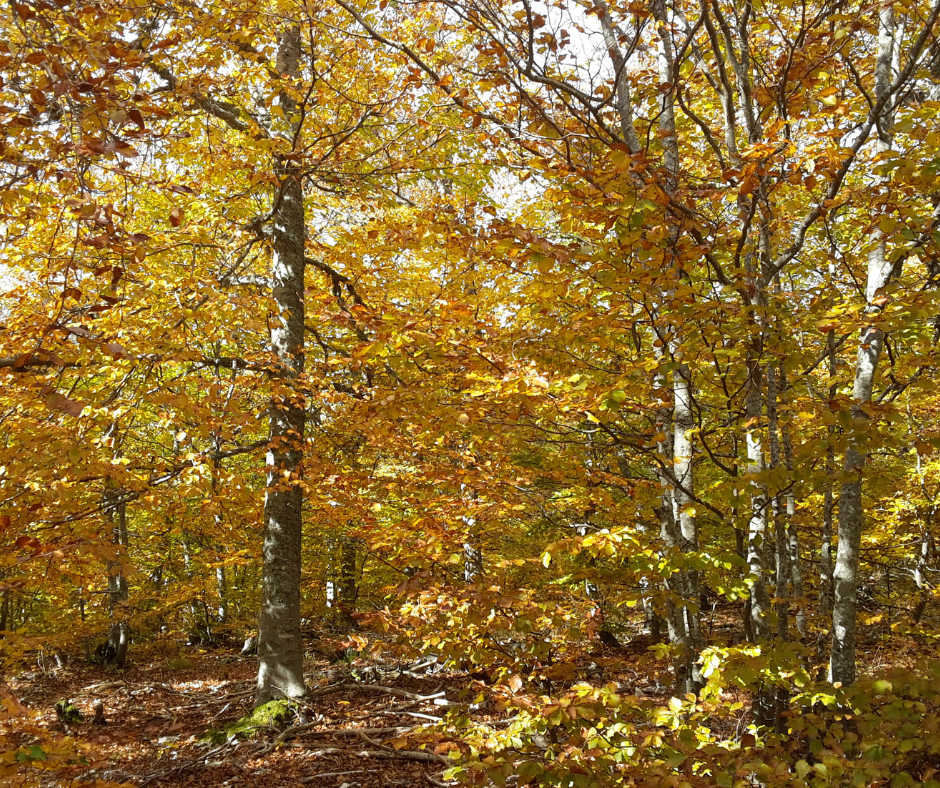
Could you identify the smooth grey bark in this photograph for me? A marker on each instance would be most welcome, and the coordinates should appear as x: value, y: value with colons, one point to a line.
x: 200, y: 627
x: 851, y: 514
x: 118, y: 592
x: 676, y: 585
x: 757, y: 522
x: 683, y: 470
x: 221, y: 584
x: 342, y: 588
x: 920, y: 571
x: 781, y: 537
x: 348, y: 575
x: 280, y: 648
x: 829, y: 504
x: 612, y: 38
x: 472, y: 546
x: 797, y: 590
x: 685, y: 630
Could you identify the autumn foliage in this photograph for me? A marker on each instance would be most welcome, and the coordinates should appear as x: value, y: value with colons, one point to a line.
x: 541, y: 338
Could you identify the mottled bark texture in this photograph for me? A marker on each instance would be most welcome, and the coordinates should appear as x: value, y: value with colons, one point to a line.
x: 280, y: 649
x: 851, y: 514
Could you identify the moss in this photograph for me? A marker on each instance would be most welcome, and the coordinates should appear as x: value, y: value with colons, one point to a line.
x: 273, y: 714
x: 68, y: 712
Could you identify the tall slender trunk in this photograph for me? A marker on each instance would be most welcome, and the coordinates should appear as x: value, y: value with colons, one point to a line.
x: 675, y: 584
x: 684, y: 523
x: 683, y: 467
x: 280, y: 648
x: 757, y: 525
x: 5, y: 612
x: 920, y: 571
x: 119, y: 633
x: 793, y: 536
x: 829, y: 504
x: 783, y: 573
x: 851, y: 515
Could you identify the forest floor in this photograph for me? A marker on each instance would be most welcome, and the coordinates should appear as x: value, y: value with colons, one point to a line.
x: 361, y: 727
x: 364, y: 725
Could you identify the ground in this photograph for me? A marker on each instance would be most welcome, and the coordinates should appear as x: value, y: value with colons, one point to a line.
x: 171, y: 713
x: 160, y: 712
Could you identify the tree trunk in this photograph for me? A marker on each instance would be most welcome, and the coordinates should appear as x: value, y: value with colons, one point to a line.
x: 920, y: 576
x: 119, y: 634
x: 829, y: 506
x: 280, y: 649
x: 783, y: 574
x: 851, y: 515
x: 687, y: 633
x: 795, y: 562
x: 757, y: 525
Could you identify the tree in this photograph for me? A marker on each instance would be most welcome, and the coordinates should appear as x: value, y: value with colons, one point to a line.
x: 537, y: 313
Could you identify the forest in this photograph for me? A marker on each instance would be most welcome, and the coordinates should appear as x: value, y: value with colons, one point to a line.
x: 470, y: 392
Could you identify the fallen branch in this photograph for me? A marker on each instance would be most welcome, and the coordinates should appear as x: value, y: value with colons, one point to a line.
x: 401, y: 755
x: 307, y: 726
x: 104, y: 685
x: 395, y: 691
x: 396, y: 729
x: 434, y: 781
x: 182, y: 767
x: 323, y: 775
x: 415, y: 714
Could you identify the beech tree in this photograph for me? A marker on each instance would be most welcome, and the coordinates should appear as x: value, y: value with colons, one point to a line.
x: 513, y: 317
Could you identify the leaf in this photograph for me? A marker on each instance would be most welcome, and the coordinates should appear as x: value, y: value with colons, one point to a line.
x: 176, y: 216
x: 62, y: 403
x: 126, y: 150
x: 98, y: 241
x: 748, y: 185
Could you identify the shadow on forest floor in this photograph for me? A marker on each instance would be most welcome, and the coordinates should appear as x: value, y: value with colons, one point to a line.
x: 363, y: 724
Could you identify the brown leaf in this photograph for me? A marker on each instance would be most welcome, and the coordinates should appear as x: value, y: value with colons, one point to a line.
x: 748, y: 185
x: 128, y: 151
x: 98, y: 241
x: 62, y: 403
x: 176, y: 216
x: 79, y: 331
